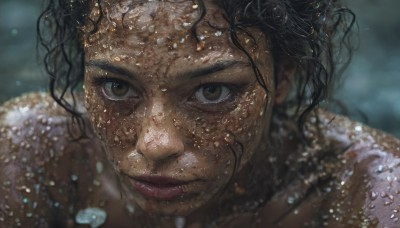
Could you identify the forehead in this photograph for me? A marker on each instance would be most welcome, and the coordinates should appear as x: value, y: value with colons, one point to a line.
x: 147, y: 21
x: 158, y: 32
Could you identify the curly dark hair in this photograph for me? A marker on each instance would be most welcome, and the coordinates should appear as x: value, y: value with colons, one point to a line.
x: 313, y: 34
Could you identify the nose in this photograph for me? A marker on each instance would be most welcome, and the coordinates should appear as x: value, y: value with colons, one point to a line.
x: 159, y: 139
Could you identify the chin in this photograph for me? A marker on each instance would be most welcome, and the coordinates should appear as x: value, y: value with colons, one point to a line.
x: 165, y: 208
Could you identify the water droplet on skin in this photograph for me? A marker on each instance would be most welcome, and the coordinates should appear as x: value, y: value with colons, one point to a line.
x: 99, y: 167
x: 96, y: 183
x: 130, y: 208
x: 291, y: 200
x: 228, y: 138
x: 74, y: 177
x: 160, y: 41
x: 218, y: 33
x: 187, y: 25
x: 92, y: 216
x: 180, y: 222
x: 25, y: 200
x: 373, y: 195
x: 151, y: 28
x: 200, y: 46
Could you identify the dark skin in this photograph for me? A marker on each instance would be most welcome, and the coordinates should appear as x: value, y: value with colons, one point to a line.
x: 158, y: 121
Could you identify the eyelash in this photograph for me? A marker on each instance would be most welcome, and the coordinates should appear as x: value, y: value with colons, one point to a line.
x: 101, y: 81
x: 234, y: 91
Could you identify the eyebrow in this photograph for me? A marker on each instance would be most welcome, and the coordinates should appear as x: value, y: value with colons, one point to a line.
x: 194, y: 73
x: 104, y: 65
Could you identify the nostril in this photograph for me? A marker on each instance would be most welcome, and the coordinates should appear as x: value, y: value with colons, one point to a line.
x: 158, y: 144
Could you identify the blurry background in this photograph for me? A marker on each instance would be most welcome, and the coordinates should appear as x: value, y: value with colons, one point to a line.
x: 370, y: 86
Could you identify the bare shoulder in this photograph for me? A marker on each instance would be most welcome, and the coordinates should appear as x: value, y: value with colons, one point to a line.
x: 366, y: 190
x: 39, y: 162
x: 31, y: 121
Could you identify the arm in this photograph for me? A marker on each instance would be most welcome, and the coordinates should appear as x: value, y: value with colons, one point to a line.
x: 366, y: 189
x: 33, y: 139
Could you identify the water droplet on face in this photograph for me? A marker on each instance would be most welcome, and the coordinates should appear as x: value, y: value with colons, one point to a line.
x: 228, y: 138
x: 92, y: 216
x: 151, y: 28
x: 160, y: 41
x: 218, y: 33
x: 187, y: 25
x: 200, y: 46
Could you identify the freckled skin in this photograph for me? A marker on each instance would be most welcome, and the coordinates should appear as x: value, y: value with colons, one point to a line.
x: 164, y: 131
x: 163, y: 128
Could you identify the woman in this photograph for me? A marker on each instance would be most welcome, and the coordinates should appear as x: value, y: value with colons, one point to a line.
x: 194, y: 114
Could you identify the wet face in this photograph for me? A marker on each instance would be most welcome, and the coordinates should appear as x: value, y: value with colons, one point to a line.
x: 173, y: 112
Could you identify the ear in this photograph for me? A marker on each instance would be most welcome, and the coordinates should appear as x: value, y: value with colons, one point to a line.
x: 286, y: 71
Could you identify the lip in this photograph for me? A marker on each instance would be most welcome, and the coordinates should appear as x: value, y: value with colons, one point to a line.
x: 160, y: 187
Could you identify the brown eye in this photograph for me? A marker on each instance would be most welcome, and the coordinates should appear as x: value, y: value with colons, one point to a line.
x: 118, y: 90
x: 212, y: 93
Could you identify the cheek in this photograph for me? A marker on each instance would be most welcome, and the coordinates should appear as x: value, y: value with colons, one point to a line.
x: 226, y: 136
x: 115, y: 123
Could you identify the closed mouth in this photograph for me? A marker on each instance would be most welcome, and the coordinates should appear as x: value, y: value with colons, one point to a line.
x: 161, y: 188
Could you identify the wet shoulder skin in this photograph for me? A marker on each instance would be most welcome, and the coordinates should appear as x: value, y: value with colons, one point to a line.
x: 47, y: 177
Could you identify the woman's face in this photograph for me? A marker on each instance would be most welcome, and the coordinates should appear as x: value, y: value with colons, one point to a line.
x: 173, y: 111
